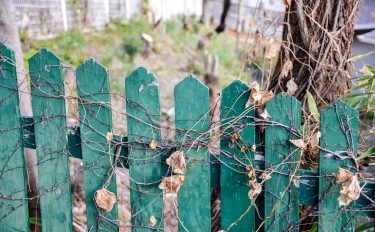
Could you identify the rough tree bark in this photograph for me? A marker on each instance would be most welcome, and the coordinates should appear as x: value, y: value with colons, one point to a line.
x: 317, y: 39
x: 9, y: 35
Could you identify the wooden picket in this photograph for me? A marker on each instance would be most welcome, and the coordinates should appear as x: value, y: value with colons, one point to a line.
x: 143, y: 109
x: 95, y: 115
x: 14, y: 214
x: 339, y: 128
x: 236, y: 204
x: 48, y: 103
x: 276, y: 208
x: 282, y: 157
x: 193, y: 122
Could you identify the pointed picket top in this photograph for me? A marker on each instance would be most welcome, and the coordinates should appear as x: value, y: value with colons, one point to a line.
x: 6, y: 52
x: 282, y: 97
x: 142, y: 75
x: 92, y: 78
x: 44, y: 57
x: 340, y: 103
x: 234, y: 96
x: 190, y: 82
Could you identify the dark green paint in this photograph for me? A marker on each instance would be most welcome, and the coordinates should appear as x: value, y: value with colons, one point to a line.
x: 192, y: 123
x: 48, y: 103
x: 235, y: 202
x: 13, y: 213
x: 339, y: 128
x: 95, y: 115
x: 143, y: 118
x: 281, y: 192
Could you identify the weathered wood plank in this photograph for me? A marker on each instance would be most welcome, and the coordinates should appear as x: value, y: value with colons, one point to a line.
x: 95, y: 113
x: 281, y: 191
x: 235, y: 202
x: 339, y: 128
x: 192, y: 105
x: 48, y: 105
x: 13, y: 211
x: 143, y: 119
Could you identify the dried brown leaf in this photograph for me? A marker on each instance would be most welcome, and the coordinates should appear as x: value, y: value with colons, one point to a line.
x: 250, y: 171
x: 342, y: 176
x: 153, y: 144
x: 253, y: 148
x: 252, y: 23
x: 152, y: 221
x: 265, y: 176
x: 172, y: 183
x: 105, y: 199
x: 177, y: 162
x: 109, y: 137
x: 255, y: 188
x: 298, y: 143
x: 314, y: 142
x: 292, y: 87
x: 254, y: 86
x: 287, y: 3
x: 288, y: 65
x: 266, y: 96
x: 350, y: 191
x: 236, y: 137
x: 272, y: 50
x: 244, y: 149
x: 265, y: 15
x: 365, y: 71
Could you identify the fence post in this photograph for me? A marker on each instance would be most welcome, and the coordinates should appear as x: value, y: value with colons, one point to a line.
x: 192, y: 104
x: 64, y: 17
x: 145, y: 168
x: 48, y: 103
x: 339, y: 129
x: 14, y: 214
x: 95, y: 113
x: 282, y: 161
x: 235, y: 154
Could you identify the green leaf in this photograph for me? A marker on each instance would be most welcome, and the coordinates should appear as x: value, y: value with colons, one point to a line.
x: 355, y: 58
x: 314, y: 228
x: 358, y: 87
x: 35, y: 221
x: 354, y: 100
x: 365, y: 226
x: 366, y: 154
x: 361, y: 103
x: 312, y: 106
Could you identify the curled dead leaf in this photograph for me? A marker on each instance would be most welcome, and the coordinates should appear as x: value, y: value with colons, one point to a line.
x: 105, y: 199
x: 236, y: 137
x: 298, y: 143
x: 288, y: 65
x: 254, y: 86
x: 265, y: 15
x: 314, y: 143
x: 109, y: 137
x: 252, y: 23
x: 265, y: 176
x: 253, y: 148
x: 256, y: 188
x: 292, y: 87
x: 172, y: 183
x: 153, y: 144
x: 365, y: 71
x: 272, y: 49
x: 259, y: 97
x: 177, y: 162
x: 342, y: 176
x: 244, y: 149
x: 350, y: 189
x: 250, y: 171
x: 152, y: 221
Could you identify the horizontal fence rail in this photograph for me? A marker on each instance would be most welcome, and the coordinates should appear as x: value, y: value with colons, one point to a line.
x: 250, y: 149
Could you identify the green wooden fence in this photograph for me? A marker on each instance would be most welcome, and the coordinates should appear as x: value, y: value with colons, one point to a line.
x: 275, y: 209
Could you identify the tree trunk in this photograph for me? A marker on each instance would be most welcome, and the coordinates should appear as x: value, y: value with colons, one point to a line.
x: 317, y: 39
x: 223, y: 17
x: 9, y: 35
